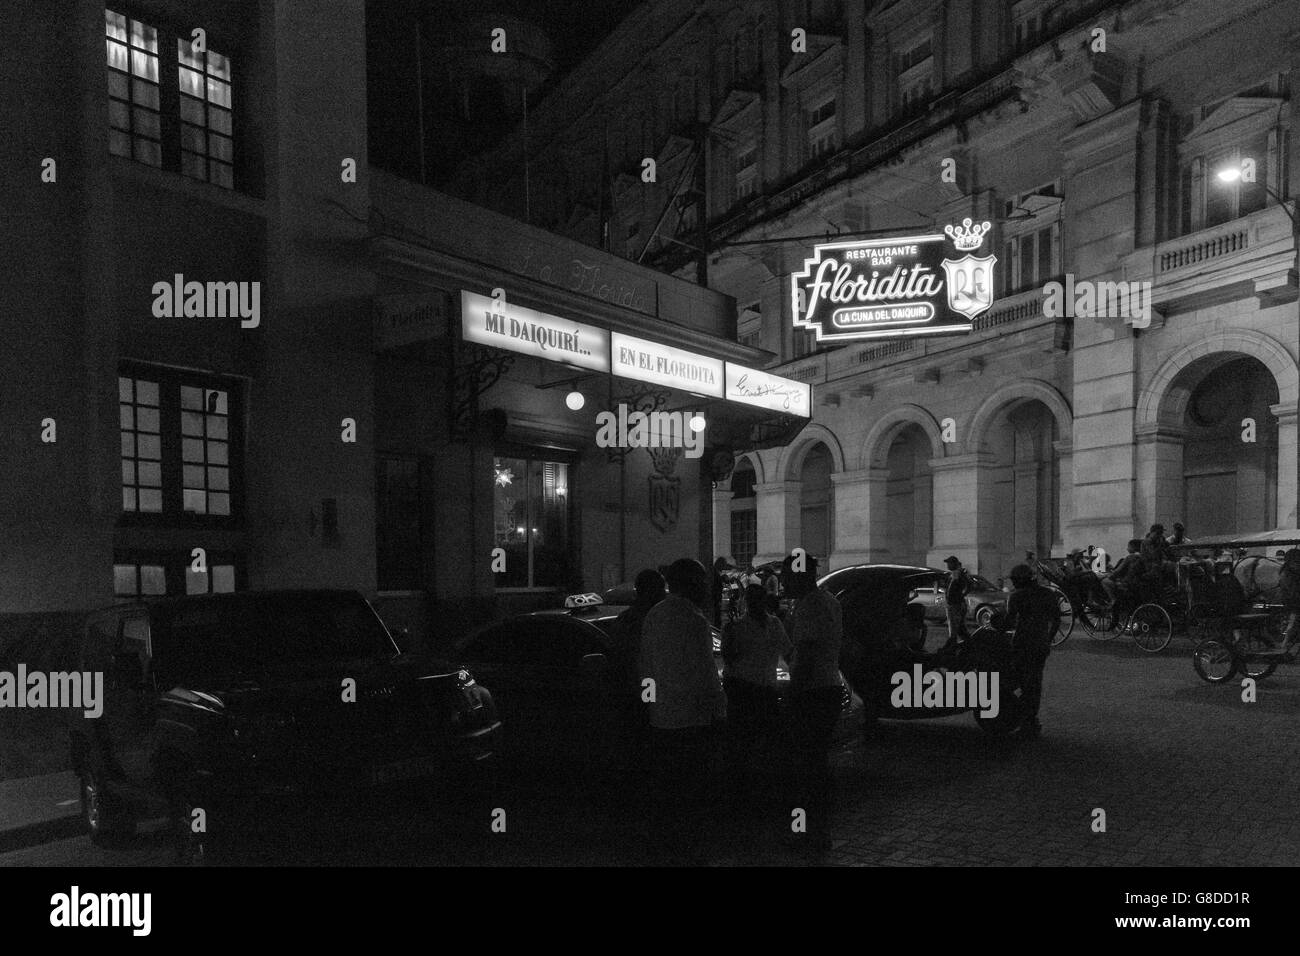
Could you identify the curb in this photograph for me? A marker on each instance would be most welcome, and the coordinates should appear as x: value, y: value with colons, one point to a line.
x: 47, y: 831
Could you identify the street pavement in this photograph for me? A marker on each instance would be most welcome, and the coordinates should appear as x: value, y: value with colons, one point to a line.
x: 1186, y: 774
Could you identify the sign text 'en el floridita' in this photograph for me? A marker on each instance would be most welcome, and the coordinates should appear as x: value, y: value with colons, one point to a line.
x: 894, y: 288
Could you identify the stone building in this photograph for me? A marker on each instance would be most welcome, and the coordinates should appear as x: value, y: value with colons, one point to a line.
x: 1092, y: 136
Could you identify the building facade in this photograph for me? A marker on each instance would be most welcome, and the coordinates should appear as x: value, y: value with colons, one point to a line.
x: 241, y: 356
x: 1099, y: 140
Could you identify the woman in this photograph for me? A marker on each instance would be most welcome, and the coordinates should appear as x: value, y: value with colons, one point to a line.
x: 752, y: 646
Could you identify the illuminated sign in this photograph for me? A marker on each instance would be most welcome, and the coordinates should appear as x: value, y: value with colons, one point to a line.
x: 753, y: 387
x: 533, y: 333
x: 893, y: 288
x: 664, y: 365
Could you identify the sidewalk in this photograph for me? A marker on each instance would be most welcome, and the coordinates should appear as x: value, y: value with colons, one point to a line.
x: 39, y: 809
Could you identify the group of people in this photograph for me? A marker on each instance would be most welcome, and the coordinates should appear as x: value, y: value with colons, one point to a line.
x: 681, y: 703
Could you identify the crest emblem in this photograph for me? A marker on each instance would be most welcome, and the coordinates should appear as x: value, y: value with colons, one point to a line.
x: 970, y: 284
x: 665, y: 488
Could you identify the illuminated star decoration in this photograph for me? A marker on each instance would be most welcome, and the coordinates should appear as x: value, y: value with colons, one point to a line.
x: 503, y: 476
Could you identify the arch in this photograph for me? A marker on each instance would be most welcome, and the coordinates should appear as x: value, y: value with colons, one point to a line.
x: 1160, y: 396
x: 1029, y: 390
x: 755, y: 461
x: 875, y: 449
x: 792, y: 460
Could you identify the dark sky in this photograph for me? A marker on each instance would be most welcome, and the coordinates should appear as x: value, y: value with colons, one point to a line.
x: 455, y: 132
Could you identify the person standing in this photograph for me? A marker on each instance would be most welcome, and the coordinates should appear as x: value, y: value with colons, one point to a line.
x: 1289, y: 593
x: 624, y: 656
x: 752, y: 647
x: 959, y: 583
x: 684, y: 699
x: 817, y: 631
x: 1033, y: 616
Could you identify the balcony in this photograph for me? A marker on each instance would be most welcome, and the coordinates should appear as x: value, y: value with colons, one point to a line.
x: 1250, y: 256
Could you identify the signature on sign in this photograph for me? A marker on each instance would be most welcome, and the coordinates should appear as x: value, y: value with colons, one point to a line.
x: 786, y: 392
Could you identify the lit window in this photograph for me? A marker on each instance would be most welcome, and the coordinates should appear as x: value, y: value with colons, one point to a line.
x: 207, y: 150
x: 205, y: 450
x: 132, y: 580
x: 140, y: 427
x: 531, y: 508
x: 134, y: 130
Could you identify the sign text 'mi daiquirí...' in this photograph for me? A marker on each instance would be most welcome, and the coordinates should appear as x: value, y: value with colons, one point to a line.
x: 896, y: 287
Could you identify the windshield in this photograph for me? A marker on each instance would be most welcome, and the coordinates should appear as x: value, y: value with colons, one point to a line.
x: 251, y: 634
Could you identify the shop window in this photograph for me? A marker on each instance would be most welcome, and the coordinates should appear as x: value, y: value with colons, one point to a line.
x: 398, y: 543
x: 531, y: 521
x: 179, y: 458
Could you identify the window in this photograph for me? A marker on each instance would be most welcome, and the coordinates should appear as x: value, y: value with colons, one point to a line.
x: 914, y: 69
x: 206, y: 130
x: 187, y: 128
x: 398, y: 546
x: 217, y: 579
x: 140, y: 425
x: 751, y: 339
x: 746, y: 171
x: 132, y: 581
x: 823, y: 129
x: 1031, y: 238
x: 531, y: 521
x: 177, y: 444
x: 1031, y: 21
x: 134, y: 130
x: 744, y: 535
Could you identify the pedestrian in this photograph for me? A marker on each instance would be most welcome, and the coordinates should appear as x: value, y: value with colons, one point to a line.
x: 752, y: 648
x: 624, y: 655
x: 1180, y: 535
x: 815, y: 692
x: 719, y: 588
x: 684, y: 700
x: 1289, y: 594
x: 1034, y: 616
x: 959, y: 583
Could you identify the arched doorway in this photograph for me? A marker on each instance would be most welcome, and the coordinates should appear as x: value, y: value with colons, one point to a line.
x: 815, y: 502
x: 1228, y: 481
x: 1026, y: 482
x: 909, y: 496
x: 744, y: 514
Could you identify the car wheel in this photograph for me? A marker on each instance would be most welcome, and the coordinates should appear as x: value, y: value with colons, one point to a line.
x: 984, y: 616
x: 106, y: 819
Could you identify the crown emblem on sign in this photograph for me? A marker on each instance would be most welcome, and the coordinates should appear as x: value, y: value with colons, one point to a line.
x: 968, y: 236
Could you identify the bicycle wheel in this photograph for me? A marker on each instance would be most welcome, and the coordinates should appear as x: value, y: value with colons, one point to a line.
x: 1214, y: 661
x: 1151, y: 628
x: 1250, y: 645
x: 1066, y: 610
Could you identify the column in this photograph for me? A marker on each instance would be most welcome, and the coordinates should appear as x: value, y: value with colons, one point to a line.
x: 722, y: 521
x: 963, y: 509
x: 1159, y: 477
x: 855, y: 516
x: 1286, y: 464
x: 778, y: 519
x: 1062, y: 542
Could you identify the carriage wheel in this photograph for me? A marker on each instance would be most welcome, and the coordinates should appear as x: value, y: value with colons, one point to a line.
x: 1099, y: 619
x: 1066, y: 610
x: 1253, y: 641
x: 1151, y: 628
x: 1214, y: 661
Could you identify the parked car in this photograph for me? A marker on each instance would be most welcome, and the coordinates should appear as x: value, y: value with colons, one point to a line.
x: 983, y: 601
x: 881, y: 639
x: 558, y: 691
x: 218, y: 698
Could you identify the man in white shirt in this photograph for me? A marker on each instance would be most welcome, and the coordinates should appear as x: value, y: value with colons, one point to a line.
x: 683, y: 694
